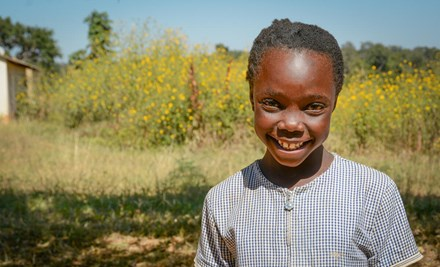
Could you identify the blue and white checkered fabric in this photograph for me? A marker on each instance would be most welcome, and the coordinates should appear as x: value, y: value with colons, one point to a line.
x: 351, y: 215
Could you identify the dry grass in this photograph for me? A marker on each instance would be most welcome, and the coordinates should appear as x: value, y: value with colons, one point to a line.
x: 67, y: 201
x: 38, y: 157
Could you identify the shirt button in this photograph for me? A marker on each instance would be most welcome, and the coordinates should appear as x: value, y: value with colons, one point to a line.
x: 288, y: 206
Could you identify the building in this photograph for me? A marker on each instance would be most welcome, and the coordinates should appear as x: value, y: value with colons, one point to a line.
x: 15, y: 76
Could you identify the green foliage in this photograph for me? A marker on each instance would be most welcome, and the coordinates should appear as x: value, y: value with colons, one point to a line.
x: 8, y: 36
x: 352, y: 59
x: 78, y: 56
x: 39, y: 47
x: 99, y: 36
x: 99, y: 33
x: 232, y: 53
x: 375, y: 55
x: 386, y: 58
x: 31, y: 44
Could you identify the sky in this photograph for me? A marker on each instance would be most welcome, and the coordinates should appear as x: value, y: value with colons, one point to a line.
x: 236, y: 23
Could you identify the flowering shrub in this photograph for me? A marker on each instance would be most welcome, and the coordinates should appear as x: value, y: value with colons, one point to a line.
x: 161, y: 93
x: 396, y: 109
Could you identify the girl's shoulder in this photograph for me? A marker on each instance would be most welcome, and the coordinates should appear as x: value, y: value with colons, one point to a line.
x: 347, y: 166
x: 364, y: 176
x: 231, y: 189
x: 237, y: 181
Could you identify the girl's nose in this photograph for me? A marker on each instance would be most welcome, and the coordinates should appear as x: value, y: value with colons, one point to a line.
x: 292, y: 122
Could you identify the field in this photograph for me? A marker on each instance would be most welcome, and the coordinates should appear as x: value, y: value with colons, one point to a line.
x: 109, y: 160
x: 67, y: 201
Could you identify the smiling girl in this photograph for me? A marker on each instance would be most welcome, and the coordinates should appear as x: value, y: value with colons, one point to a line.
x: 301, y: 205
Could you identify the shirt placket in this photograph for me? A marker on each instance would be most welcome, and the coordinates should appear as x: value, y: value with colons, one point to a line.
x: 290, y: 211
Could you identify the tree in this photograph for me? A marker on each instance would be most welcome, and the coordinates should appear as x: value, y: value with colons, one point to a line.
x: 39, y: 47
x: 32, y: 44
x: 352, y: 59
x: 375, y: 55
x: 7, y: 34
x: 99, y: 33
x: 223, y: 48
x: 77, y: 56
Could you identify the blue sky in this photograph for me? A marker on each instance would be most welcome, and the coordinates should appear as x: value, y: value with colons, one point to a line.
x: 235, y: 23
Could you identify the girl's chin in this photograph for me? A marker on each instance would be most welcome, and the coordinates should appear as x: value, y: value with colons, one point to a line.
x: 291, y: 158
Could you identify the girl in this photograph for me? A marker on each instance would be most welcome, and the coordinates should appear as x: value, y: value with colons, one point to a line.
x: 301, y: 205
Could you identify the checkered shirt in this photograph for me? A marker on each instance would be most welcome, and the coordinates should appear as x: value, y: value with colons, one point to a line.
x: 351, y: 215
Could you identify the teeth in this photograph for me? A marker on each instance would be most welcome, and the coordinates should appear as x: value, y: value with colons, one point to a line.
x: 290, y: 146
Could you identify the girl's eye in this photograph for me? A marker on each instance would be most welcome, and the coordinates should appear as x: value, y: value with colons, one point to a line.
x: 270, y: 104
x: 315, y: 108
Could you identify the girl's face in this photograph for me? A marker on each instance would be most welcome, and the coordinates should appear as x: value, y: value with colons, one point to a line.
x: 293, y: 98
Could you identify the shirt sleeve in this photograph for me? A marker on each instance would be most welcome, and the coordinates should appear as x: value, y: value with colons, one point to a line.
x: 212, y: 250
x: 392, y: 238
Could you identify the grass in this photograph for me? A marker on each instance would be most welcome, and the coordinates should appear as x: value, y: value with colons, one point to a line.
x: 65, y: 200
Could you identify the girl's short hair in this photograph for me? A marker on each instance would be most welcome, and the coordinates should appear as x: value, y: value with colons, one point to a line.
x: 299, y: 37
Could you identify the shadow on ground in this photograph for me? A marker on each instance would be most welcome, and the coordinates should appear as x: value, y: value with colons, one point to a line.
x: 60, y: 229
x: 55, y: 228
x: 424, y: 217
x: 159, y: 227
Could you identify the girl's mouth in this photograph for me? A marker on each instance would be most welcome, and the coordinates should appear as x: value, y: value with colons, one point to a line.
x: 291, y: 146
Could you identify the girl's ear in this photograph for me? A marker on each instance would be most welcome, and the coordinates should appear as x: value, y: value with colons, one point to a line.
x: 251, y: 97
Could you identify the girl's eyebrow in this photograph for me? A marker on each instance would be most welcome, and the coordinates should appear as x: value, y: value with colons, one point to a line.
x: 318, y: 97
x: 273, y: 93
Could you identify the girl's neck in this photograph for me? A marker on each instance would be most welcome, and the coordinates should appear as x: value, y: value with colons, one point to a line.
x: 290, y: 177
